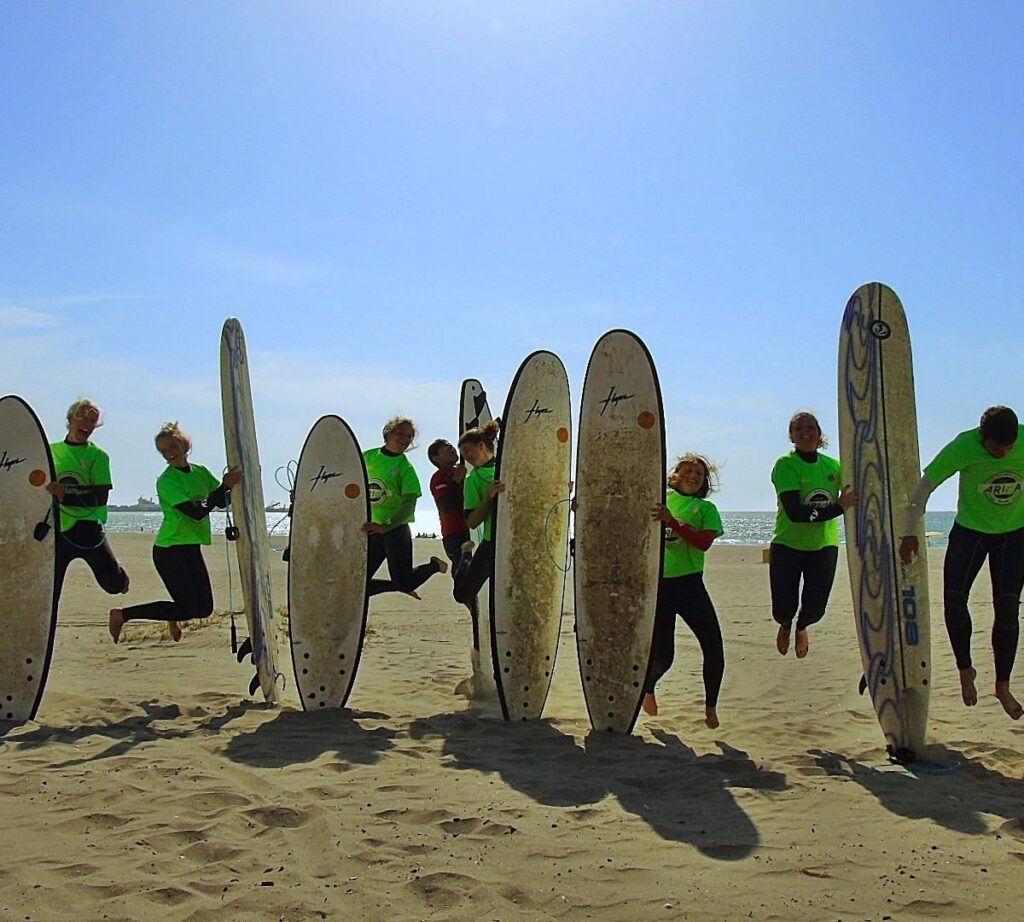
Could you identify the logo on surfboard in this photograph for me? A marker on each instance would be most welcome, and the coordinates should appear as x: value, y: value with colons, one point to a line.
x: 613, y: 399
x: 322, y: 476
x: 880, y: 329
x: 536, y: 411
x: 7, y: 461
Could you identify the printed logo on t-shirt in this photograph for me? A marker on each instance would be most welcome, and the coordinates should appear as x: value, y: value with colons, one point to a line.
x: 1003, y: 488
x: 818, y: 499
x: 377, y: 492
x: 671, y: 538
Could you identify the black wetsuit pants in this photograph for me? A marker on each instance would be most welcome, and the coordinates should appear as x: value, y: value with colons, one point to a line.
x: 965, y: 554
x: 86, y: 541
x: 687, y: 597
x: 184, y: 573
x: 786, y: 568
x: 396, y: 547
x: 472, y: 572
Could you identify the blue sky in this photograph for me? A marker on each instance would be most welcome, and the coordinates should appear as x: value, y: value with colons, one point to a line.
x: 395, y: 196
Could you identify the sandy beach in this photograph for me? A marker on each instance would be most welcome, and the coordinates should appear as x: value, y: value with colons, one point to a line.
x: 151, y: 786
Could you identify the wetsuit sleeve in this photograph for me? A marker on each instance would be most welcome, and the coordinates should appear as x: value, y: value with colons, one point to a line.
x: 218, y: 499
x: 699, y: 539
x: 86, y: 496
x: 798, y: 512
x: 915, y: 507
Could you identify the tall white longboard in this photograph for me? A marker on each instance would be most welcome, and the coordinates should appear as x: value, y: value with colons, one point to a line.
x: 531, y: 533
x: 474, y: 411
x: 879, y: 454
x: 28, y: 533
x: 247, y: 506
x: 620, y: 477
x: 327, y: 599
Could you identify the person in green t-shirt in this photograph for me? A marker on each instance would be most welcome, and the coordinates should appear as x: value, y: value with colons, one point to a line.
x: 394, y: 489
x: 479, y: 493
x: 81, y: 489
x: 692, y: 524
x: 187, y: 493
x: 989, y: 523
x: 805, y: 545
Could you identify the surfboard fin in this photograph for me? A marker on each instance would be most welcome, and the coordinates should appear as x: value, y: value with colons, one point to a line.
x: 254, y: 684
x: 244, y: 650
x: 862, y: 686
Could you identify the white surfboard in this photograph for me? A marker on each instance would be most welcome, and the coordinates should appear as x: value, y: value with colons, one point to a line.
x: 28, y: 615
x: 620, y: 477
x: 880, y: 458
x: 474, y: 411
x: 531, y: 533
x: 327, y: 564
x: 247, y: 506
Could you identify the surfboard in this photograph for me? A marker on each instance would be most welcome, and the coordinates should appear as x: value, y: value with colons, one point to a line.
x: 473, y: 407
x: 879, y: 453
x: 252, y: 545
x: 327, y: 599
x: 474, y: 411
x: 28, y: 533
x: 620, y: 477
x: 531, y: 533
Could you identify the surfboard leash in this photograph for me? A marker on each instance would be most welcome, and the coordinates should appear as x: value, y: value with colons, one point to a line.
x: 547, y: 542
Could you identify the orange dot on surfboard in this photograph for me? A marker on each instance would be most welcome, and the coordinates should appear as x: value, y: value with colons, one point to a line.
x: 37, y: 477
x: 645, y: 420
x: 352, y: 490
x: 563, y: 434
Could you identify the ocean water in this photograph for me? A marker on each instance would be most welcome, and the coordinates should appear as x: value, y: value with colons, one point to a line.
x: 753, y: 528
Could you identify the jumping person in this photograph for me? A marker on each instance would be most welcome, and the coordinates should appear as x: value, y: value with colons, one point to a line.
x: 989, y: 523
x: 446, y: 488
x: 479, y: 492
x: 692, y: 524
x: 805, y: 544
x: 187, y: 493
x: 81, y: 490
x: 394, y: 489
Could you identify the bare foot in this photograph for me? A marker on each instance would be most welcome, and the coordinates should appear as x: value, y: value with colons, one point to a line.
x: 1010, y: 704
x: 782, y: 640
x: 442, y: 565
x: 803, y: 644
x: 175, y: 630
x: 115, y: 623
x: 967, y: 690
x: 650, y: 704
x: 711, y: 717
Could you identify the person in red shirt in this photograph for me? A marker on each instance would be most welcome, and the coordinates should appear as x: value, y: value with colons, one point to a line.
x: 446, y: 488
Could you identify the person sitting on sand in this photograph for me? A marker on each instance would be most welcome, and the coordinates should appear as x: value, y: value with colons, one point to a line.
x: 81, y: 489
x: 394, y: 489
x: 446, y: 488
x: 692, y: 524
x: 187, y: 493
x: 989, y: 523
x: 805, y: 544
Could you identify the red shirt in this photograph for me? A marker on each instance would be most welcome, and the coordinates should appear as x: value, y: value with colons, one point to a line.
x: 447, y: 493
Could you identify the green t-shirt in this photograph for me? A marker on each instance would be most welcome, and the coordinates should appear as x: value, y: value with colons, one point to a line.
x: 175, y: 486
x: 681, y: 557
x: 391, y: 480
x: 819, y: 485
x: 81, y: 466
x: 989, y: 497
x: 474, y: 491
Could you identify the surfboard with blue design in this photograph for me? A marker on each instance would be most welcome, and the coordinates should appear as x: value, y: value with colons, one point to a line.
x: 878, y: 449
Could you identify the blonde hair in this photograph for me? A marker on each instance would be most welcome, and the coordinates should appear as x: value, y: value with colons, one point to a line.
x: 173, y: 431
x: 392, y: 424
x: 85, y: 407
x: 486, y: 434
x: 710, y: 473
x: 800, y: 414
